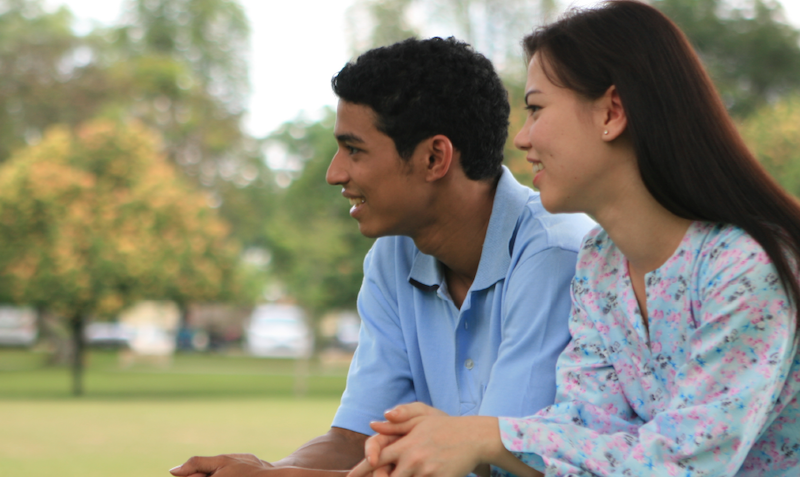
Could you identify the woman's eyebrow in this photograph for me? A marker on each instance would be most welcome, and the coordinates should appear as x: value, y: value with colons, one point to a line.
x: 533, y: 91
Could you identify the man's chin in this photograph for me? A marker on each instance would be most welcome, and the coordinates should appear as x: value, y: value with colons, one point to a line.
x: 371, y: 232
x: 366, y: 232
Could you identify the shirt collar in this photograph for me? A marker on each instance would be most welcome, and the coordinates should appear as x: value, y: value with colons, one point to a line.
x: 510, y: 198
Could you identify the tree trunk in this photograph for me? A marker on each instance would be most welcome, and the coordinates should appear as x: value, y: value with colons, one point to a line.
x: 77, y: 323
x: 55, y: 335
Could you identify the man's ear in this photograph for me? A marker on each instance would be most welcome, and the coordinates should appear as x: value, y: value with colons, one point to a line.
x: 613, y: 118
x: 437, y: 154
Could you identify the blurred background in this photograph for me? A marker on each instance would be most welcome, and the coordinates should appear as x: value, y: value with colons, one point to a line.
x: 176, y: 277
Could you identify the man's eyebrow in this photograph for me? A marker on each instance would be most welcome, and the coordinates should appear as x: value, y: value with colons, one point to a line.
x: 347, y: 137
x: 533, y: 91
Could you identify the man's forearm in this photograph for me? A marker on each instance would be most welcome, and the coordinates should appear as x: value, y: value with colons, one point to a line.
x: 338, y: 449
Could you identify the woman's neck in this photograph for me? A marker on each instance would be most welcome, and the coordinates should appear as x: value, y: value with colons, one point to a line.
x: 644, y: 231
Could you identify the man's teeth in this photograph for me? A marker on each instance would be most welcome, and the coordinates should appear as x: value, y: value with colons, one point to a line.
x: 355, y: 201
x: 537, y: 166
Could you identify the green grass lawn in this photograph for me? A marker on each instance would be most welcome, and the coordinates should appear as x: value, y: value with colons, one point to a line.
x: 140, y: 420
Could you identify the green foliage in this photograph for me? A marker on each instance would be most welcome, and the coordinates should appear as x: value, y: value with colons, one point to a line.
x: 773, y: 134
x: 316, y: 247
x: 175, y: 66
x: 752, y: 55
x: 493, y: 27
x: 389, y: 21
x: 210, y: 36
x: 38, y: 85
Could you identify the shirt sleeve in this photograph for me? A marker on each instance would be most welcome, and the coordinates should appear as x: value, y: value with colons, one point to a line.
x: 534, y: 332
x: 380, y: 375
x: 741, y: 352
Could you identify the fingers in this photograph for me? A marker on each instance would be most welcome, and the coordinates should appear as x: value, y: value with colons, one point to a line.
x: 205, y: 466
x: 374, y: 445
x: 363, y: 469
x: 384, y: 471
x: 197, y: 465
x: 405, y: 412
x: 390, y: 428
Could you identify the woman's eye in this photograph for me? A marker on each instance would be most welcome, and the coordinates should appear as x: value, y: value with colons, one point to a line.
x: 532, y: 108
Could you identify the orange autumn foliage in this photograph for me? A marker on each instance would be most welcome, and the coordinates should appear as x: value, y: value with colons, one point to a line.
x: 94, y: 219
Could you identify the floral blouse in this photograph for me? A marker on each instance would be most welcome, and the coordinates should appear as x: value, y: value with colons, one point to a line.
x: 711, y: 390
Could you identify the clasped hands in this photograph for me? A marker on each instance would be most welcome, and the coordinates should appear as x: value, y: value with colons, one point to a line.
x: 418, y: 440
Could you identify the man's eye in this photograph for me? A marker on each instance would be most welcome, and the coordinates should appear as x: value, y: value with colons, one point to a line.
x: 352, y: 150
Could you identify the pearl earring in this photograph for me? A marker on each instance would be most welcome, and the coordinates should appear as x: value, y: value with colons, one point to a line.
x: 605, y: 132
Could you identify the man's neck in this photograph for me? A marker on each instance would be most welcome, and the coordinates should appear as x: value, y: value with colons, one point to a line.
x: 456, y: 237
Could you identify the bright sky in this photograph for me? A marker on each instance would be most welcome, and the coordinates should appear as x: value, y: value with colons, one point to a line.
x: 296, y: 46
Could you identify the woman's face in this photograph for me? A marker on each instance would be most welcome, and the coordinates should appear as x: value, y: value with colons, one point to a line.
x: 563, y: 138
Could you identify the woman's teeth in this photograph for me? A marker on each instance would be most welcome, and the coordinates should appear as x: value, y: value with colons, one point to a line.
x: 356, y: 201
x: 537, y: 166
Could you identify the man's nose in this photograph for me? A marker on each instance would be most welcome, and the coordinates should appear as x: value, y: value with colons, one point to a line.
x: 336, y: 173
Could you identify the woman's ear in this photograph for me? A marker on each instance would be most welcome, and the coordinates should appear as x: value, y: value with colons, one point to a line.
x: 612, y: 116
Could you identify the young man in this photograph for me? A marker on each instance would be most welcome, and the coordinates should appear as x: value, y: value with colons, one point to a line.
x: 465, y: 297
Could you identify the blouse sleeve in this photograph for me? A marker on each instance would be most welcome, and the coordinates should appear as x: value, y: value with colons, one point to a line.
x: 590, y: 405
x: 740, y: 356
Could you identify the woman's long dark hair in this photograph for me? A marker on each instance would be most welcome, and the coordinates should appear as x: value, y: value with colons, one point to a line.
x: 689, y: 152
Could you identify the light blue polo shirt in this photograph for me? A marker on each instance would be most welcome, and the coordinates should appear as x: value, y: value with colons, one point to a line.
x: 495, y: 356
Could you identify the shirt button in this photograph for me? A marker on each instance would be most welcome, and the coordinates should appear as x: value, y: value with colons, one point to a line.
x: 466, y: 325
x: 469, y: 364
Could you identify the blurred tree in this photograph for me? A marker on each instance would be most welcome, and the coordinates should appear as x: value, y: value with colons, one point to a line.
x: 176, y: 66
x: 44, y: 67
x: 183, y: 70
x: 317, y: 249
x: 388, y: 20
x: 493, y: 27
x: 93, y: 220
x: 773, y: 134
x: 210, y: 36
x: 751, y: 52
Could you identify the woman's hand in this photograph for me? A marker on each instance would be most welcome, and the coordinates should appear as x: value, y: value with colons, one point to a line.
x: 418, y: 440
x: 432, y: 444
x: 389, y: 434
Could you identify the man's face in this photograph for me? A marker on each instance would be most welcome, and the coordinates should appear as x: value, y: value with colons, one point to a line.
x: 384, y: 192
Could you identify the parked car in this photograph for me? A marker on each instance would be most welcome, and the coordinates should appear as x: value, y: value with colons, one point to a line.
x: 279, y: 331
x: 108, y: 335
x: 17, y: 326
x: 192, y: 339
x: 347, y: 329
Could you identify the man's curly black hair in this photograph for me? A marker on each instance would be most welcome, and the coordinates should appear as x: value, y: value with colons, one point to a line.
x: 420, y: 88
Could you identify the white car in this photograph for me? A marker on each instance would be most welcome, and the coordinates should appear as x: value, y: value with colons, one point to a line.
x: 108, y: 335
x: 17, y: 326
x: 278, y: 331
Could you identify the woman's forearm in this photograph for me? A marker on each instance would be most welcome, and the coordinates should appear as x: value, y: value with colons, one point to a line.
x: 495, y: 453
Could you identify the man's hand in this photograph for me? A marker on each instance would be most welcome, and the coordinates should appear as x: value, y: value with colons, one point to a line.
x: 325, y: 456
x: 226, y: 465
x: 440, y: 446
x: 418, y: 440
x: 245, y: 465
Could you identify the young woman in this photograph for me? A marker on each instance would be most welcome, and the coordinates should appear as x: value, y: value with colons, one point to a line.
x: 684, y: 354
